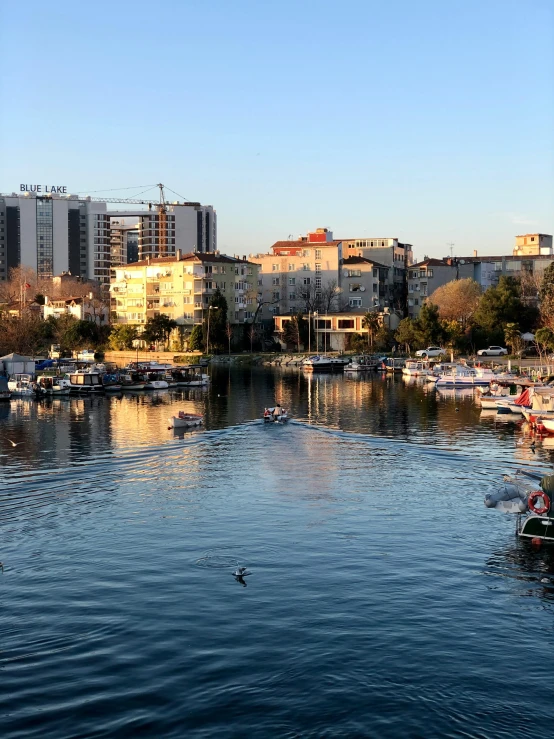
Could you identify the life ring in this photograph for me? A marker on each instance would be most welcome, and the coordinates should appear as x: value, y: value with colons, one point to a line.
x: 535, y: 495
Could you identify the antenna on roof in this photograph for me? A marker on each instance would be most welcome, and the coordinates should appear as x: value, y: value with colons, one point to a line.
x: 451, y: 245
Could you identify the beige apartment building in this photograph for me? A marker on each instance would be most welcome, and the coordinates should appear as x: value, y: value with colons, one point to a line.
x: 533, y: 245
x: 182, y: 286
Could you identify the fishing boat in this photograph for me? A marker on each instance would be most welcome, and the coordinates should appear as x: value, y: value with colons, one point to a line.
x: 190, y: 376
x: 131, y: 382
x: 53, y: 385
x: 530, y: 496
x: 185, y: 420
x: 541, y: 404
x: 277, y: 414
x: 22, y: 385
x: 394, y: 365
x: 459, y: 375
x: 154, y: 381
x: 111, y: 382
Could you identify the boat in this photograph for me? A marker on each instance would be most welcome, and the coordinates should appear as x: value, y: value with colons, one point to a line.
x: 541, y: 404
x: 5, y: 393
x: 318, y: 364
x: 154, y: 381
x: 185, y: 420
x: 111, y: 383
x: 459, y: 375
x: 417, y: 368
x: 363, y: 363
x: 338, y: 364
x: 530, y: 496
x: 22, y: 385
x: 88, y: 382
x: 53, y: 385
x: 394, y: 364
x: 277, y: 414
x: 190, y: 376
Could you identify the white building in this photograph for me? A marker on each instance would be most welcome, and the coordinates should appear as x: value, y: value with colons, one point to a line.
x: 83, y: 308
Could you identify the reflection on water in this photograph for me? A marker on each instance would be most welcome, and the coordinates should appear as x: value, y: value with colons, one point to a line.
x: 384, y: 598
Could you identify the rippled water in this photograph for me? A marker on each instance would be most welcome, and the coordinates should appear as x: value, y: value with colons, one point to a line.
x: 385, y: 600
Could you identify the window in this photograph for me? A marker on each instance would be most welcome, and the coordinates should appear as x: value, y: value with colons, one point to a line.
x: 429, y: 273
x: 291, y: 267
x: 416, y: 301
x: 355, y: 287
x: 318, y: 283
x: 318, y: 267
x: 354, y: 272
x: 318, y: 253
x: 355, y: 302
x: 276, y: 295
x: 346, y: 323
x: 375, y: 287
x: 292, y: 281
x: 423, y: 287
x: 375, y: 272
x: 275, y: 281
x: 292, y: 296
x: 275, y: 267
x: 306, y: 267
x: 307, y: 281
x: 187, y: 299
x: 306, y: 253
x: 410, y: 288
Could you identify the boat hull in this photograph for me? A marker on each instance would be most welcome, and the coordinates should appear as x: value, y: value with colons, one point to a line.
x: 538, y: 527
x: 189, y: 421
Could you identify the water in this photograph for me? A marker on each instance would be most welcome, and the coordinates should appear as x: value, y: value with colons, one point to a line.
x: 385, y: 600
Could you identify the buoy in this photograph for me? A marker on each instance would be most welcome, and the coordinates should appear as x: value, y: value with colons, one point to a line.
x: 536, y: 542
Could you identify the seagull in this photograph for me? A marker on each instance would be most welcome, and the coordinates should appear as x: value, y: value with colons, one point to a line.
x: 241, y: 572
x: 14, y: 443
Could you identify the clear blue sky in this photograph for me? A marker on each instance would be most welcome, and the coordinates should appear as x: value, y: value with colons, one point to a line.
x: 430, y: 120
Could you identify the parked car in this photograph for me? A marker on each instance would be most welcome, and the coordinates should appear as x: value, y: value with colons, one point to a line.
x: 492, y: 351
x: 431, y: 351
x: 529, y: 351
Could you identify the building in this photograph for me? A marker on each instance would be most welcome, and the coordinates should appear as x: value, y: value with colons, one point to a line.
x: 533, y: 245
x: 54, y: 234
x: 365, y: 283
x: 83, y: 308
x: 391, y: 253
x: 331, y: 331
x: 182, y: 286
x: 296, y: 271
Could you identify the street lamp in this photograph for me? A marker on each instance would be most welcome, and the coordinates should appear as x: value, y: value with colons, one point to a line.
x: 315, y: 329
x: 210, y: 307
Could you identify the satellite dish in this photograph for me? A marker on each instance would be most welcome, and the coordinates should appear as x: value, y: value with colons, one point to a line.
x: 345, y: 273
x: 362, y: 289
x: 462, y: 261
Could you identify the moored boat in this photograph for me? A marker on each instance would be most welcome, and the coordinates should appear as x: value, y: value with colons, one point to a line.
x: 416, y: 368
x: 317, y: 364
x: 22, y: 385
x: 86, y: 382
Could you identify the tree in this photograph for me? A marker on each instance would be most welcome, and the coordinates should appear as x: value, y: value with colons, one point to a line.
x: 321, y: 299
x: 544, y: 341
x: 295, y: 331
x: 457, y: 300
x: 81, y: 335
x: 512, y: 337
x: 546, y: 297
x: 229, y: 334
x: 196, y: 339
x: 122, y: 337
x: 158, y: 329
x: 428, y: 327
x: 501, y: 305
x: 406, y: 333
x: 216, y: 318
x: 371, y: 322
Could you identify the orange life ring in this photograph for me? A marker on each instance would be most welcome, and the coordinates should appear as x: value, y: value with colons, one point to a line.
x: 533, y: 497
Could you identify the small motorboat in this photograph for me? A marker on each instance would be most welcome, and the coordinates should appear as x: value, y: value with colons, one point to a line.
x: 185, y: 420
x: 275, y: 415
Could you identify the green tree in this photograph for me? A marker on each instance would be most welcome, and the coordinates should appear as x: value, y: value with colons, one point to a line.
x: 406, y: 333
x: 159, y: 328
x: 122, y: 337
x: 81, y: 335
x: 546, y: 297
x: 295, y: 331
x: 512, y: 337
x: 457, y: 300
x: 428, y: 328
x: 196, y: 339
x: 216, y: 315
x: 371, y: 322
x: 544, y: 340
x: 501, y: 305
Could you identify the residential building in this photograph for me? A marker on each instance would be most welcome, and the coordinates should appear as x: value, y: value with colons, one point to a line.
x: 331, y: 331
x: 533, y: 245
x: 364, y: 283
x: 53, y: 234
x: 124, y: 240
x: 391, y: 253
x: 307, y: 266
x: 182, y: 286
x: 83, y: 308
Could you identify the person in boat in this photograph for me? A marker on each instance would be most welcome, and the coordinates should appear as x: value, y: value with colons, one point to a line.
x: 277, y: 411
x: 266, y: 413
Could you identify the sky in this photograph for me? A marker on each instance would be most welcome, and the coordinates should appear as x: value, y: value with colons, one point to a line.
x: 429, y: 121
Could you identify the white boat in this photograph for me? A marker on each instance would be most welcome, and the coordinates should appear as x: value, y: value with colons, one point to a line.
x: 275, y: 415
x: 190, y: 376
x: 416, y: 368
x: 460, y: 375
x: 317, y: 364
x: 362, y: 363
x: 185, y: 420
x: 541, y: 405
x: 53, y: 385
x: 154, y: 381
x: 22, y: 385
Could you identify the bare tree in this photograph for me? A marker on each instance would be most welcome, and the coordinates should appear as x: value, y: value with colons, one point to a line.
x: 321, y: 299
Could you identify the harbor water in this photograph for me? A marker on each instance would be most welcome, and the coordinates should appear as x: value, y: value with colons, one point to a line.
x: 384, y: 599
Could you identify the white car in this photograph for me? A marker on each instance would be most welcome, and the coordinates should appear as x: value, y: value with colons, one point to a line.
x: 431, y: 351
x: 492, y: 351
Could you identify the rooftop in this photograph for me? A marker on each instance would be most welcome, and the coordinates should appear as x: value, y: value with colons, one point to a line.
x: 363, y: 260
x: 191, y: 257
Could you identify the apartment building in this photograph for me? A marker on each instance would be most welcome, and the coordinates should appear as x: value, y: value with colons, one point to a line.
x: 182, y: 286
x: 124, y: 240
x: 83, y: 308
x: 307, y: 266
x: 364, y: 284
